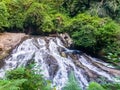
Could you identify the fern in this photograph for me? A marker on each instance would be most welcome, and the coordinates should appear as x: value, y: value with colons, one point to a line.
x: 72, y: 83
x: 24, y: 79
x: 11, y: 84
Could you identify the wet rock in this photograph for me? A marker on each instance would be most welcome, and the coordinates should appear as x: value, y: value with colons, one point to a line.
x: 87, y: 71
x: 1, y: 63
x: 111, y: 70
x: 1, y: 47
x: 74, y: 57
x: 52, y: 64
x: 66, y: 39
x: 8, y: 41
x: 63, y: 54
x: 53, y: 35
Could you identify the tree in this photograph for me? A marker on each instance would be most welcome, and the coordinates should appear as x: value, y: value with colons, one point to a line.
x: 3, y: 16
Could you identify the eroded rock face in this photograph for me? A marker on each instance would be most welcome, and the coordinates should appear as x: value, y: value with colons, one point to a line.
x: 8, y: 41
x: 66, y: 39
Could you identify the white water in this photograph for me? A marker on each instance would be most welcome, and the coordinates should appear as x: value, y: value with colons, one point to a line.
x: 46, y: 53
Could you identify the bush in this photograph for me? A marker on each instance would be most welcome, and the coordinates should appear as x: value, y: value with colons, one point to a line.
x: 11, y: 84
x: 94, y: 33
x: 112, y: 86
x: 24, y: 79
x: 60, y: 21
x: 16, y: 14
x: 73, y: 7
x: 3, y: 16
x: 34, y: 17
x: 95, y: 86
x: 38, y: 19
x: 98, y: 35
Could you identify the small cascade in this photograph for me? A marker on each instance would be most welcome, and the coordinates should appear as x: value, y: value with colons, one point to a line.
x: 56, y: 62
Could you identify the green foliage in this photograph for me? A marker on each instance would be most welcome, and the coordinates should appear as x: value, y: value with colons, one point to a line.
x: 97, y: 34
x: 60, y: 21
x: 105, y: 8
x: 112, y: 8
x: 72, y: 83
x: 47, y: 25
x: 24, y: 79
x: 73, y: 7
x: 11, y: 84
x: 56, y: 4
x: 112, y: 86
x: 42, y: 20
x: 84, y: 28
x: 34, y: 16
x: 16, y: 12
x: 3, y: 16
x: 95, y: 86
x: 80, y: 18
x: 113, y: 56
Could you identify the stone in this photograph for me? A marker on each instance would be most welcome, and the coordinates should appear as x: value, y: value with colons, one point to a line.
x: 8, y: 41
x: 66, y: 39
x: 1, y: 47
x: 53, y: 65
x: 63, y: 54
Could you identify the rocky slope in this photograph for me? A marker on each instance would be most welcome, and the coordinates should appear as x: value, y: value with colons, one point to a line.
x: 8, y: 41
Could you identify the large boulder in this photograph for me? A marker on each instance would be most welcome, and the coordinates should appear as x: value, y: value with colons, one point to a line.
x: 8, y: 41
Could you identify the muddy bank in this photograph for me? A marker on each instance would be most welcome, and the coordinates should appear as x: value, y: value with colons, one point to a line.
x: 8, y: 41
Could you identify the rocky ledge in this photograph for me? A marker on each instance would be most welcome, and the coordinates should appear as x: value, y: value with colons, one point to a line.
x: 8, y: 41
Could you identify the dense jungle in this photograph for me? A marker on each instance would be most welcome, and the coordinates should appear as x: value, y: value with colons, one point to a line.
x: 93, y: 25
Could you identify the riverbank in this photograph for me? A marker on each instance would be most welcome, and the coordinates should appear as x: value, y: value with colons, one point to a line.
x: 8, y: 41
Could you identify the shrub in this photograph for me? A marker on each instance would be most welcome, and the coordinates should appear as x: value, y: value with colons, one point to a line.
x: 34, y: 17
x: 38, y: 19
x: 95, y: 86
x: 16, y: 14
x: 112, y: 86
x: 11, y: 84
x: 28, y: 78
x: 73, y: 7
x: 94, y: 33
x: 3, y: 16
x: 60, y: 21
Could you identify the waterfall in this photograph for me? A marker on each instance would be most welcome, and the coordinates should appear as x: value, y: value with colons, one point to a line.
x: 56, y: 62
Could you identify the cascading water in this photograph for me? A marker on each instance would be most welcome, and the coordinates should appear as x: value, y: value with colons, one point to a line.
x: 56, y: 61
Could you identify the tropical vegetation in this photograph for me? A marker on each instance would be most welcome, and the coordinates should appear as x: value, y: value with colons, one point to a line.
x: 94, y: 25
x: 28, y: 79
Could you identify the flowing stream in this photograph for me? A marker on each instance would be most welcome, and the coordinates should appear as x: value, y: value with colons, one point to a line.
x: 56, y: 62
